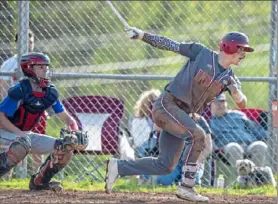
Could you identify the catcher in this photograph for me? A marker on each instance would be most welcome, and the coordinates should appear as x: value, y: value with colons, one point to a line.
x: 205, y: 75
x: 22, y: 109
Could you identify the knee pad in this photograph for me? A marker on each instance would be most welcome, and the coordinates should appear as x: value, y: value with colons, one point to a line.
x: 19, y: 149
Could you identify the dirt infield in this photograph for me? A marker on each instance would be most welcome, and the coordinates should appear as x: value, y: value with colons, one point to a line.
x: 26, y: 196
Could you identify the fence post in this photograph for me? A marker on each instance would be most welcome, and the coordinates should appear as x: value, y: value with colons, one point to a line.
x: 23, y: 26
x: 274, y: 64
x: 272, y: 89
x: 22, y: 47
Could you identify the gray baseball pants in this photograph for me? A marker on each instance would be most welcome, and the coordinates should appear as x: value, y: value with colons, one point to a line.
x: 179, y: 129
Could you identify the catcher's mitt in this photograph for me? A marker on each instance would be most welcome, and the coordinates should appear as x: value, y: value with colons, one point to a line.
x: 77, y: 139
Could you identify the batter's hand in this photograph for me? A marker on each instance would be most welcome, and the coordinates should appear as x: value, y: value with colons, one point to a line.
x: 134, y: 33
x: 233, y: 86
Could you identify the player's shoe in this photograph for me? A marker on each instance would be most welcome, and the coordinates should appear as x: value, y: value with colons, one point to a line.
x: 190, y: 194
x: 111, y: 174
x: 53, y: 185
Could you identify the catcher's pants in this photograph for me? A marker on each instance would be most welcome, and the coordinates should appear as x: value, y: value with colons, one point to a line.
x: 178, y: 129
x: 40, y: 144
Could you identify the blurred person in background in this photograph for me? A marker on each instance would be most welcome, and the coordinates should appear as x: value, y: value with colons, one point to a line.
x: 11, y: 65
x: 142, y: 110
x: 236, y: 134
x: 145, y: 132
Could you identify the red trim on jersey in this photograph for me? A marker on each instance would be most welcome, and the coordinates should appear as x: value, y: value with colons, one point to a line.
x: 38, y: 94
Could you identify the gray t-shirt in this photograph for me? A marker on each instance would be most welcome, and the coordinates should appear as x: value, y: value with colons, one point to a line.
x: 201, y: 79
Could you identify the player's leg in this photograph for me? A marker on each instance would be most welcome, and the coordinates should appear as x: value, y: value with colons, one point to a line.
x: 163, y: 164
x: 176, y: 124
x: 189, y: 170
x: 201, y: 160
x: 170, y: 149
x: 172, y: 118
x: 183, y: 126
x: 58, y: 158
x: 173, y: 121
x: 16, y: 151
x: 7, y: 176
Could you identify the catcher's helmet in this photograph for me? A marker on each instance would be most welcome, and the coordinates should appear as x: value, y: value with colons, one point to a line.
x: 31, y: 59
x: 234, y: 40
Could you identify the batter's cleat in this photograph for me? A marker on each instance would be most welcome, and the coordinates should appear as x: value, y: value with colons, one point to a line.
x: 111, y: 174
x: 190, y: 194
x: 53, y: 185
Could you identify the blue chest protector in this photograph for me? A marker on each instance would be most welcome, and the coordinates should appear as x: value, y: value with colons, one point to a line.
x: 33, y: 104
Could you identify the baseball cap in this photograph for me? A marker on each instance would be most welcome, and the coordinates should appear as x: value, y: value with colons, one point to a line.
x: 221, y: 97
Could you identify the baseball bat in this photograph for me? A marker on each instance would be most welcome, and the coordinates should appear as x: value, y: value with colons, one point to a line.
x: 117, y: 14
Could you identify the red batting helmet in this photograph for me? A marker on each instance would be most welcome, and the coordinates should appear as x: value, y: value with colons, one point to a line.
x: 234, y: 40
x: 31, y: 59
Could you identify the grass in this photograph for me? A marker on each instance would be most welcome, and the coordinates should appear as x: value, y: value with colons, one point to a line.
x: 130, y: 185
x: 256, y: 64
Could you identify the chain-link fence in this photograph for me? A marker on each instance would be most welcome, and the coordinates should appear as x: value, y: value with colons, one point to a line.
x: 91, y: 56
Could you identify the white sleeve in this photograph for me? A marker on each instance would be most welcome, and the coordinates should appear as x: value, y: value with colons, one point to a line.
x: 10, y: 65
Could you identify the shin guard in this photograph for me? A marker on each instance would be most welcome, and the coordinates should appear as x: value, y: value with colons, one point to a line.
x: 54, y: 163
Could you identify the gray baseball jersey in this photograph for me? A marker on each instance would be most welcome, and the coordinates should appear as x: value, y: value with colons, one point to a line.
x: 201, y: 79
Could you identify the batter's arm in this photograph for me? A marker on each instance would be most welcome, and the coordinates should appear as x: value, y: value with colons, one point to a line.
x: 240, y: 99
x: 190, y: 50
x: 160, y: 42
x: 235, y: 90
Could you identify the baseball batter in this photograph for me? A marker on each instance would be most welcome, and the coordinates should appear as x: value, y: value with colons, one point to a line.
x: 205, y: 75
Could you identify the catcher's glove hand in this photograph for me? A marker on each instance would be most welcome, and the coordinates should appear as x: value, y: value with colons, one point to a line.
x: 77, y: 139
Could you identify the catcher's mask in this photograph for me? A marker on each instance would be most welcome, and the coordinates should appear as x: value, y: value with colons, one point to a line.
x: 27, y: 61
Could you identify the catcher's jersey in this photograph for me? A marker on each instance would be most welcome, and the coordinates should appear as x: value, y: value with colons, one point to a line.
x: 201, y: 79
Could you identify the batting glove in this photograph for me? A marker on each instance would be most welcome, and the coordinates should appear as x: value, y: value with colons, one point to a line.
x: 134, y: 33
